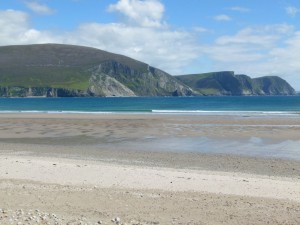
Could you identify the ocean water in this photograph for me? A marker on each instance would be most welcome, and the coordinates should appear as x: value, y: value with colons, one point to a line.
x: 285, y: 105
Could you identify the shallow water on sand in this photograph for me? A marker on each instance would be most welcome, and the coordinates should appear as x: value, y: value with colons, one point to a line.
x: 251, y: 136
x: 254, y: 146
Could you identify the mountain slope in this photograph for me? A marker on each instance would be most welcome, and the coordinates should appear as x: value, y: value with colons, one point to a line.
x: 56, y: 70
x: 272, y: 85
x: 66, y: 70
x: 227, y: 83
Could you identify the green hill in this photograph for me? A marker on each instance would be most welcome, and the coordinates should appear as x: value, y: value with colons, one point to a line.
x: 56, y: 70
x: 67, y: 70
x: 227, y: 83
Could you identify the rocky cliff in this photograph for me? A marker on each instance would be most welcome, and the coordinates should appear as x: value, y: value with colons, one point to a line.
x: 227, y: 83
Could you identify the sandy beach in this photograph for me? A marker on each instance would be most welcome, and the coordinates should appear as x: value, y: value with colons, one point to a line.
x: 111, y: 169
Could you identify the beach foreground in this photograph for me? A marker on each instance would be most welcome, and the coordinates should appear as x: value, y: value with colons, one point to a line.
x: 72, y: 169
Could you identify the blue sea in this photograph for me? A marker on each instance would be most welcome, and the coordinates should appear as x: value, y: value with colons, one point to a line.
x: 279, y: 105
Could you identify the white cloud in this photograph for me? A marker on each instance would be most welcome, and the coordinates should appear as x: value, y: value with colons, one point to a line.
x: 146, y: 13
x: 260, y: 36
x: 239, y: 9
x: 230, y: 55
x: 292, y: 11
x: 200, y: 29
x: 165, y: 49
x: 287, y: 58
x: 12, y: 22
x: 15, y: 29
x: 222, y: 17
x: 39, y: 8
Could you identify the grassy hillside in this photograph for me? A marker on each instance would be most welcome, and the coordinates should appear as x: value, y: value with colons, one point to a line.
x: 81, y: 69
x: 270, y: 84
x: 56, y: 77
x: 215, y: 83
x: 53, y: 65
x: 58, y: 55
x: 227, y: 83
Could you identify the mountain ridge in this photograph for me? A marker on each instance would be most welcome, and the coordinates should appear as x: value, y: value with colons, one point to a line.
x: 58, y: 70
x: 229, y: 83
x: 71, y: 70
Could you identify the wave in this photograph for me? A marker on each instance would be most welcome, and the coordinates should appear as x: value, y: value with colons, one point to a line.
x: 53, y: 112
x: 229, y: 112
x: 155, y: 111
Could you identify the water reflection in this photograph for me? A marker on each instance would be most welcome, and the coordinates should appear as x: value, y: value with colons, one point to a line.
x: 253, y: 146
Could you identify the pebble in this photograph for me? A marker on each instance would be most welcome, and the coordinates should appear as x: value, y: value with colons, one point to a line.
x: 33, y: 217
x: 21, y: 217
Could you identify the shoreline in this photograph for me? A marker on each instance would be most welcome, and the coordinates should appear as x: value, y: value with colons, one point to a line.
x: 153, y: 112
x: 85, y: 169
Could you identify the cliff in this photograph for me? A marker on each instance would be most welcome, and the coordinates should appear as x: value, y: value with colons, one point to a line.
x: 227, y: 83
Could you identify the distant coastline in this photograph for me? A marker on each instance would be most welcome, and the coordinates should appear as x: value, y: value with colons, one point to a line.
x: 57, y: 70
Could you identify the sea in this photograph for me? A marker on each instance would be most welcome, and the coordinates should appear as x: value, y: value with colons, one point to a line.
x: 260, y: 106
x: 279, y: 105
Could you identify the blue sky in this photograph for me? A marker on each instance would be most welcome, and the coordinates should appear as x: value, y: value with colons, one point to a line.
x: 254, y: 37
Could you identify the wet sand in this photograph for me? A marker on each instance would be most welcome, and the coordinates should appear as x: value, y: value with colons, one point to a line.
x: 85, y: 168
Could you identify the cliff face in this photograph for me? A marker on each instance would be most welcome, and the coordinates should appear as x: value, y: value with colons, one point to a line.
x: 41, y: 92
x: 53, y: 70
x: 131, y: 82
x: 272, y: 85
x: 226, y: 83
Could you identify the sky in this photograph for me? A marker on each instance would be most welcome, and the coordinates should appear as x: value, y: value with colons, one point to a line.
x: 253, y: 37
